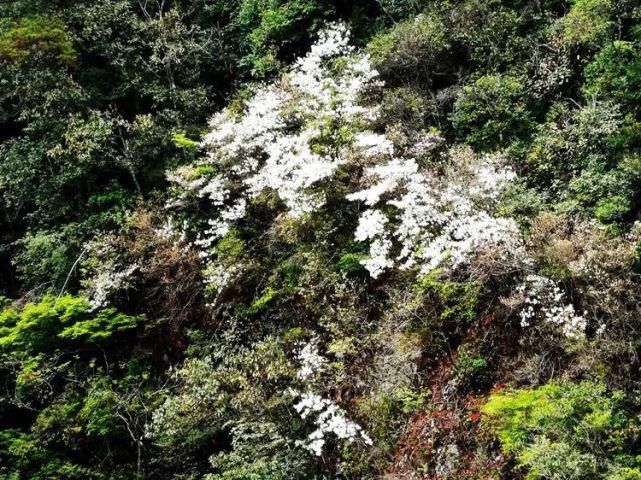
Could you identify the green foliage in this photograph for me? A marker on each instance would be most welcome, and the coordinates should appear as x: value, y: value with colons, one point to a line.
x: 612, y: 209
x: 497, y: 35
x: 615, y: 74
x: 571, y: 141
x: 416, y: 47
x: 520, y: 202
x: 625, y: 473
x: 459, y: 300
x: 350, y: 263
x: 40, y: 327
x: 271, y: 26
x: 492, y: 112
x: 230, y: 247
x: 23, y: 455
x: 235, y: 468
x: 182, y: 141
x: 410, y: 400
x: 565, y: 430
x: 45, y: 257
x: 589, y: 22
x: 35, y: 36
x: 400, y: 9
x: 470, y: 368
x: 100, y: 328
x: 50, y: 365
x: 101, y: 99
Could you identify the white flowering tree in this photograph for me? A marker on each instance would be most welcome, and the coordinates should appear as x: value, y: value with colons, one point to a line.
x: 293, y: 134
x: 409, y: 201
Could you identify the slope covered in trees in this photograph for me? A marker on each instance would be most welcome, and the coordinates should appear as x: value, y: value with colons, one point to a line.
x: 274, y: 240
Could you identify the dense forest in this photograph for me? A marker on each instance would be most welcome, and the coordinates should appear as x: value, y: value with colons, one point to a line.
x: 316, y: 239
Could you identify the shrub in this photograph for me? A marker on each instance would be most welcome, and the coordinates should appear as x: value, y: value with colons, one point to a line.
x: 458, y: 300
x: 413, y: 50
x: 615, y: 74
x: 588, y: 23
x: 571, y: 141
x: 42, y: 326
x: 625, y: 473
x: 271, y: 28
x: 565, y: 430
x: 31, y: 36
x: 491, y: 32
x: 399, y: 9
x: 45, y: 259
x: 520, y: 202
x: 492, y: 111
x: 612, y: 209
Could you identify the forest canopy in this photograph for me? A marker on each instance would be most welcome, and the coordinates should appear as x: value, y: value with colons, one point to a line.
x: 313, y: 239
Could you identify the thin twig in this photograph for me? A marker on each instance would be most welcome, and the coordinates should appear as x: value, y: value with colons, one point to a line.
x: 73, y: 267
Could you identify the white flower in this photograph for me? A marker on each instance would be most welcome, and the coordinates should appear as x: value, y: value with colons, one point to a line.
x: 546, y: 301
x: 441, y: 220
x: 329, y: 418
x: 311, y: 362
x: 274, y: 143
x: 373, y: 144
x: 370, y: 225
x: 109, y: 281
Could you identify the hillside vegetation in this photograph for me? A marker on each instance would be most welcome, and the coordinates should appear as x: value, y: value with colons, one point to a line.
x: 314, y: 239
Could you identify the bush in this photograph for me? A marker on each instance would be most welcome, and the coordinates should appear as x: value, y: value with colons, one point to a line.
x: 491, y: 32
x: 615, y: 74
x: 413, y: 51
x: 521, y: 203
x: 588, y: 23
x: 43, y: 326
x: 565, y: 430
x: 571, y: 141
x: 399, y: 9
x: 32, y: 36
x: 271, y: 28
x: 44, y: 260
x: 492, y: 112
x: 612, y: 209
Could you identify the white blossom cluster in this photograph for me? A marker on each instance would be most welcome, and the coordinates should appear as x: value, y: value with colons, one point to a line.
x: 373, y: 144
x: 545, y: 300
x: 288, y: 140
x: 427, y: 143
x: 169, y: 231
x: 280, y: 141
x: 329, y: 418
x: 437, y: 220
x: 276, y: 143
x: 311, y: 362
x: 108, y: 282
x: 218, y: 275
x: 105, y: 273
